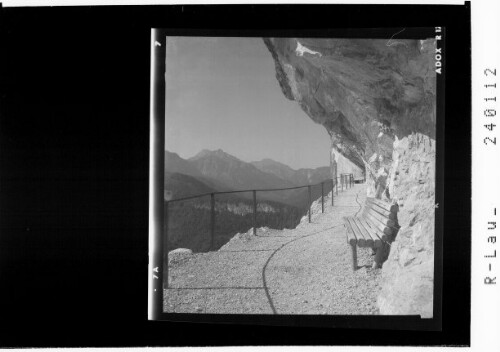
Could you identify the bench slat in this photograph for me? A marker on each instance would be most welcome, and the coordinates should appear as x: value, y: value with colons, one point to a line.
x: 368, y: 238
x: 351, y: 239
x: 382, y: 219
x: 393, y: 208
x: 374, y: 231
x: 357, y: 233
x: 386, y: 231
x: 382, y: 211
x: 377, y: 242
x: 376, y: 224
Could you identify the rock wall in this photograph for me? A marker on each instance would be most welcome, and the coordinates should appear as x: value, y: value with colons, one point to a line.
x: 408, y: 274
x: 377, y: 101
x: 345, y: 166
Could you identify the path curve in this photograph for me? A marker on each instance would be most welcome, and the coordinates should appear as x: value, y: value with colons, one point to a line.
x: 264, y: 281
x: 314, y: 275
x: 275, y: 273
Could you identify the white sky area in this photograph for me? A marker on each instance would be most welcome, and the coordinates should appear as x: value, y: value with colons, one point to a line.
x: 223, y: 93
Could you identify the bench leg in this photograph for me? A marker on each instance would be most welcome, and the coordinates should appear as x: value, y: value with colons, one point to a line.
x: 354, y: 257
x: 380, y: 256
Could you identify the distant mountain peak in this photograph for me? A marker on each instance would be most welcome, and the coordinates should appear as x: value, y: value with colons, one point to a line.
x: 218, y: 153
x: 269, y: 162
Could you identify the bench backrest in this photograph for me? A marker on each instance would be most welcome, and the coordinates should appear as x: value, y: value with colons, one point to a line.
x: 382, y: 218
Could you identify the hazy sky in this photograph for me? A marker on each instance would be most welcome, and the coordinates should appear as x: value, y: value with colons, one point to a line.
x: 223, y: 93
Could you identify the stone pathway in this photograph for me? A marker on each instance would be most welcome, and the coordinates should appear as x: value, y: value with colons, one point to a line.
x: 307, y: 270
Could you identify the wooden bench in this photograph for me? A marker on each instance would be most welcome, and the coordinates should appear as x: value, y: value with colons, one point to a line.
x: 375, y: 227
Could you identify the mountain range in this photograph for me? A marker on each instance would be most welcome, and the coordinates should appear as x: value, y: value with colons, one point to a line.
x: 216, y: 170
x: 208, y: 171
x: 299, y: 177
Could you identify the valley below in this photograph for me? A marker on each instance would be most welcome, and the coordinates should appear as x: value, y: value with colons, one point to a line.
x: 189, y: 220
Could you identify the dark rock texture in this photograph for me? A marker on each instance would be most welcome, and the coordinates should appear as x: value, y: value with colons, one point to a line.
x: 376, y: 99
x: 363, y: 91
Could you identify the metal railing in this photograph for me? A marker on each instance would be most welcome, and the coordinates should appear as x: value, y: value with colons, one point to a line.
x: 344, y: 181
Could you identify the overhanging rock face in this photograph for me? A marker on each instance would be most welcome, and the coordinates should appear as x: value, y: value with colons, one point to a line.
x: 374, y: 97
x: 365, y: 92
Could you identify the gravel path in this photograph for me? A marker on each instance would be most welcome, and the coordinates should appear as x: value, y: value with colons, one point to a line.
x: 307, y: 270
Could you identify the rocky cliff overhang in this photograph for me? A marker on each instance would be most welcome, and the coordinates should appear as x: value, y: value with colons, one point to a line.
x: 376, y: 99
x: 364, y: 92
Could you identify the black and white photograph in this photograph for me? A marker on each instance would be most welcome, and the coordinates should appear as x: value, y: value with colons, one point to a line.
x: 268, y: 175
x: 300, y: 174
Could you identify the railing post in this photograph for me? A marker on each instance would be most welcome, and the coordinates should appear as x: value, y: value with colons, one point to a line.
x: 212, y: 220
x: 255, y: 213
x: 333, y: 185
x: 322, y: 199
x: 166, y: 245
x: 309, y: 189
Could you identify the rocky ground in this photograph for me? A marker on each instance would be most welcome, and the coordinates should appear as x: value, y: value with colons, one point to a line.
x: 307, y: 270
